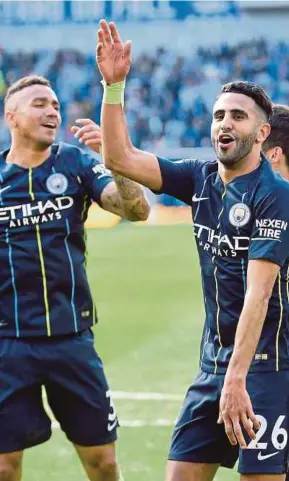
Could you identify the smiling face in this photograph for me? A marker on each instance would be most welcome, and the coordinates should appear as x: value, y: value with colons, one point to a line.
x: 238, y: 127
x: 33, y: 116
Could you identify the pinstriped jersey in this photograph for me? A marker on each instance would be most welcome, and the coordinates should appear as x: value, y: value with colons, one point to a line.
x: 44, y: 289
x: 247, y: 218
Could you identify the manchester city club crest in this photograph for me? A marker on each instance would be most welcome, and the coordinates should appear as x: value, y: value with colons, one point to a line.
x: 57, y: 183
x: 239, y: 215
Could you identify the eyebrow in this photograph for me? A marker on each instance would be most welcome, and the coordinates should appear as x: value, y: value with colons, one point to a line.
x: 45, y: 99
x: 232, y: 111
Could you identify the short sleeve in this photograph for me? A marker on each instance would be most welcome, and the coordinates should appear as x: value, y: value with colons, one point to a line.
x: 94, y: 175
x: 178, y: 178
x: 270, y: 235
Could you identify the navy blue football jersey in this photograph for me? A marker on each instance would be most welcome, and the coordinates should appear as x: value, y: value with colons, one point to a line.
x: 247, y: 218
x: 44, y: 289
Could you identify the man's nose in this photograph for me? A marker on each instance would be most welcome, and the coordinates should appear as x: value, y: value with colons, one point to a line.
x: 51, y: 112
x: 226, y: 124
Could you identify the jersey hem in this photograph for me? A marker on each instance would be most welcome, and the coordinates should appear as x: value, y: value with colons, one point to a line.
x: 36, y: 333
x: 253, y: 369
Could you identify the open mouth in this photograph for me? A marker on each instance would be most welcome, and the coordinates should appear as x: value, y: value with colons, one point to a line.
x: 50, y: 125
x: 225, y: 140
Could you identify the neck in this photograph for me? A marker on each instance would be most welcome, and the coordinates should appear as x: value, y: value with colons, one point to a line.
x: 244, y: 166
x: 26, y: 156
x: 284, y: 171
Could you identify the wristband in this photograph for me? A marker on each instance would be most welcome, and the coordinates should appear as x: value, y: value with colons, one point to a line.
x: 114, y: 93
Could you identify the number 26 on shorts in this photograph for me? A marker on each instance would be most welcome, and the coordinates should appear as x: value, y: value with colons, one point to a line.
x: 279, y: 436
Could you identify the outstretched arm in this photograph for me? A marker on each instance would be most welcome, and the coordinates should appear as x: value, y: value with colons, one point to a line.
x: 114, y: 60
x: 122, y: 197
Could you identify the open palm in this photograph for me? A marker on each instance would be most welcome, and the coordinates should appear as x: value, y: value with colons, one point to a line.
x: 112, y: 56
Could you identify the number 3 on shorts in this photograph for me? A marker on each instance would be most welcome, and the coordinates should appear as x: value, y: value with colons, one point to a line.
x: 279, y: 435
x: 112, y: 419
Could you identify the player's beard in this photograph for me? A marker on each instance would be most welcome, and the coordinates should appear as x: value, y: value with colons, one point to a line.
x: 35, y: 140
x: 42, y: 143
x: 242, y: 147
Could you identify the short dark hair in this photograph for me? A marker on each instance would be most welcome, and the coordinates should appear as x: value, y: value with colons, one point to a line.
x: 252, y: 90
x: 25, y: 82
x: 279, y: 135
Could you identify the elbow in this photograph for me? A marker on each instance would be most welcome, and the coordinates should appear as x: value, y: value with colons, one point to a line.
x: 108, y: 162
x: 145, y: 215
x: 135, y: 218
x: 262, y: 296
x: 111, y: 164
x: 118, y: 162
x: 141, y: 215
x: 266, y: 293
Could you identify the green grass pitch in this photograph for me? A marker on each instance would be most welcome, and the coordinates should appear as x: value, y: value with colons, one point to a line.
x: 146, y: 285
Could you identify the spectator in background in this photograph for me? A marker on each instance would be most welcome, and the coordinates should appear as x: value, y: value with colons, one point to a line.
x: 180, y: 100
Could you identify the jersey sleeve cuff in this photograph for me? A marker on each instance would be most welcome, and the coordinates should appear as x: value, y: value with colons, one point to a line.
x: 101, y: 184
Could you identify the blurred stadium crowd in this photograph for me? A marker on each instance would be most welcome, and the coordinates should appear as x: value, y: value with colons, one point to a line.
x: 168, y: 96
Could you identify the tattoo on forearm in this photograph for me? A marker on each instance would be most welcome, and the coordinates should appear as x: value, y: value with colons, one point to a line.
x: 137, y: 208
x: 126, y: 199
x: 135, y: 204
x: 113, y: 203
x: 128, y: 189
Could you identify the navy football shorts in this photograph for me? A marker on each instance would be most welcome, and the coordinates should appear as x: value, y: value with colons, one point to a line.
x: 76, y: 387
x: 198, y: 438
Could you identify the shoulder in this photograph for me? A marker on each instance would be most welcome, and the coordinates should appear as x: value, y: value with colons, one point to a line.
x: 280, y: 189
x: 203, y: 169
x: 271, y: 193
x: 271, y: 183
x: 189, y: 165
x: 208, y: 166
x: 64, y: 150
x: 198, y: 163
x: 75, y: 158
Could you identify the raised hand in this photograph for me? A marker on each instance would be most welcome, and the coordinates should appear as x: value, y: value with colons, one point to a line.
x: 88, y: 133
x: 112, y: 56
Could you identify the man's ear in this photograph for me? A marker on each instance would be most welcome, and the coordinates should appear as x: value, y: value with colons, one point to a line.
x: 263, y: 133
x: 10, y: 118
x: 275, y: 155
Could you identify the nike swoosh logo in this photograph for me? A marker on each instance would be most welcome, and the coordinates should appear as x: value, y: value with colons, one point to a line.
x: 198, y: 199
x: 110, y: 427
x: 266, y: 456
x: 5, y: 188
